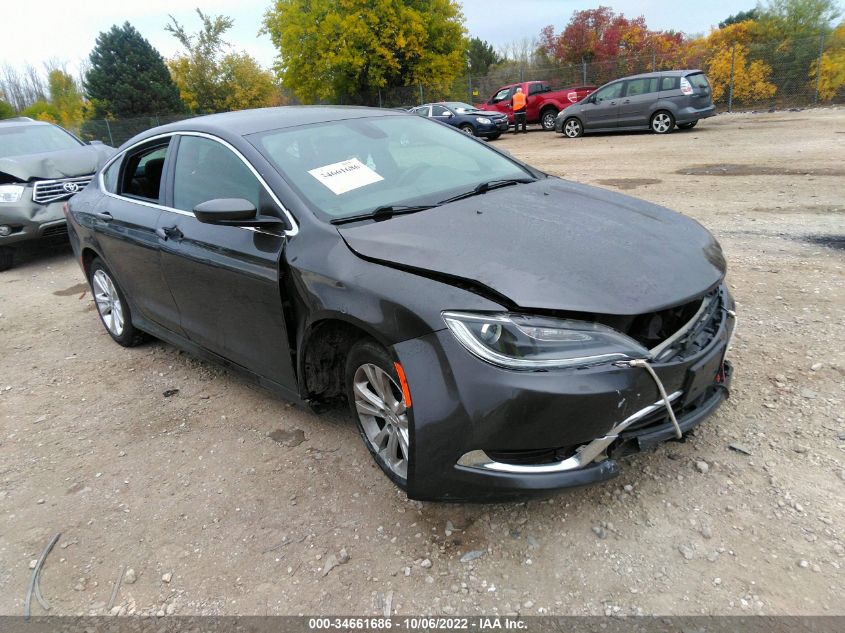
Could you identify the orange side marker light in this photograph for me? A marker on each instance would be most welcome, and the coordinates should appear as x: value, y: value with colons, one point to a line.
x: 403, y: 382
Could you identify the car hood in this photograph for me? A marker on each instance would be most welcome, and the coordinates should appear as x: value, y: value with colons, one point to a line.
x: 488, y: 113
x: 554, y: 245
x: 61, y: 164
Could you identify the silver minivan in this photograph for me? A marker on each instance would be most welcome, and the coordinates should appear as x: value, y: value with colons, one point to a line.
x: 658, y: 101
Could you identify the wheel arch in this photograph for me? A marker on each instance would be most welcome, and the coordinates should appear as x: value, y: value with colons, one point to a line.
x: 324, y: 346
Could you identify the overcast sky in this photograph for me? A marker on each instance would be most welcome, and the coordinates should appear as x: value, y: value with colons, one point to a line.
x: 64, y: 30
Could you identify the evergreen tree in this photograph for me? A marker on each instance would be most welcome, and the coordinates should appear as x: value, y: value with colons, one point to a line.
x: 481, y: 56
x: 128, y: 77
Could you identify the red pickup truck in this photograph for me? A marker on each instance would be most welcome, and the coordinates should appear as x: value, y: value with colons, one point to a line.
x: 543, y: 102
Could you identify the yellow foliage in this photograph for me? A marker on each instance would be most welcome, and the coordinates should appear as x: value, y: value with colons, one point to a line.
x: 832, y: 66
x: 751, y: 79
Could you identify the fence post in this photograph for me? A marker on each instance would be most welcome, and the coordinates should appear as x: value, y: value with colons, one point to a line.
x: 819, y: 69
x: 469, y: 88
x: 521, y: 74
x: 108, y: 127
x: 421, y: 95
x: 379, y: 97
x: 653, y: 60
x: 584, y: 70
x: 731, y: 86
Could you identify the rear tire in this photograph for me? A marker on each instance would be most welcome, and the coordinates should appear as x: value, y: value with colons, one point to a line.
x: 378, y: 405
x: 687, y: 126
x: 573, y: 128
x: 112, y: 306
x: 466, y: 128
x: 547, y: 119
x: 662, y: 122
x: 7, y: 258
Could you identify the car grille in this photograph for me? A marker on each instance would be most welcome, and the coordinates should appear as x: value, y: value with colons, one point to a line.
x: 55, y: 230
x: 46, y: 191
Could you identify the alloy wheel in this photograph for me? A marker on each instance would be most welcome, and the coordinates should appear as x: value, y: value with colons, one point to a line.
x: 549, y: 120
x: 661, y: 123
x: 383, y: 415
x: 108, y: 302
x: 572, y: 128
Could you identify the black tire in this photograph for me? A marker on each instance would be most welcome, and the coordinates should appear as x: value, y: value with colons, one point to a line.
x: 547, y: 119
x: 127, y: 334
x: 662, y: 122
x: 572, y: 128
x: 687, y: 126
x: 466, y: 128
x: 368, y: 353
x: 7, y: 258
x: 493, y: 137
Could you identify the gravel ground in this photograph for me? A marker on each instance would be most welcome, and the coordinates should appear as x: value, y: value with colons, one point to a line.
x: 209, y: 514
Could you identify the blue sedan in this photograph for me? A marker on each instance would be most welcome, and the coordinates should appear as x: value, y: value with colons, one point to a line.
x: 466, y: 118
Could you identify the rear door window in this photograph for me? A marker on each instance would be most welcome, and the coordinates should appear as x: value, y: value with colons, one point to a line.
x: 641, y: 86
x: 439, y: 110
x: 141, y: 175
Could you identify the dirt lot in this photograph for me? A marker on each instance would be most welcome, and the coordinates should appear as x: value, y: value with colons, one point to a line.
x: 212, y: 515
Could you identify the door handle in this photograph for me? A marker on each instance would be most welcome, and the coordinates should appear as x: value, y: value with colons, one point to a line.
x: 170, y: 233
x: 105, y: 216
x: 627, y: 101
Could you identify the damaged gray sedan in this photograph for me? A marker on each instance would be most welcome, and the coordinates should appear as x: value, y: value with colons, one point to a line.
x: 41, y: 166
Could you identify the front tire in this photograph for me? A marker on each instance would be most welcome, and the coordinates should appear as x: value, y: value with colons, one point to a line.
x: 112, y: 306
x: 573, y: 128
x: 7, y: 258
x: 547, y: 119
x: 379, y: 407
x: 466, y: 128
x: 493, y: 137
x: 662, y: 122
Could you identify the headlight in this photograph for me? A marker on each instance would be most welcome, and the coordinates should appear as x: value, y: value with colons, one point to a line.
x: 517, y: 341
x: 10, y: 193
x: 483, y: 120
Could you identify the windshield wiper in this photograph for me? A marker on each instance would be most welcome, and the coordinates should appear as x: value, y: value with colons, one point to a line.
x: 383, y: 213
x: 489, y: 185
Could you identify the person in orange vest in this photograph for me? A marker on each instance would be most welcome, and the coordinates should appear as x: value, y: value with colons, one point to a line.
x: 519, y: 102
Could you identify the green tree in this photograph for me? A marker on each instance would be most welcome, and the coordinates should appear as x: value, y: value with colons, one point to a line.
x: 741, y: 16
x: 6, y: 110
x: 789, y: 34
x: 128, y: 77
x: 481, y: 55
x: 213, y: 80
x: 346, y: 51
x: 66, y: 97
x: 43, y: 111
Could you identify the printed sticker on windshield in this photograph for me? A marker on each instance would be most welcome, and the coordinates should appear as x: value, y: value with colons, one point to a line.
x: 345, y: 175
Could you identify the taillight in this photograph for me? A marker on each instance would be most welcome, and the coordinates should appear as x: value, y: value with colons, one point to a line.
x: 686, y: 86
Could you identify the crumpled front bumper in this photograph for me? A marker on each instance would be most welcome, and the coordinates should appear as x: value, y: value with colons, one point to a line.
x: 464, y: 407
x: 30, y: 220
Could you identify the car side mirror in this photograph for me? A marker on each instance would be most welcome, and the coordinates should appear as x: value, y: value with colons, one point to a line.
x: 95, y: 143
x: 235, y: 212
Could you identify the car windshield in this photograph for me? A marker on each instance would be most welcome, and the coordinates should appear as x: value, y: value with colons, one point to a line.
x: 354, y: 166
x: 18, y: 140
x: 462, y: 108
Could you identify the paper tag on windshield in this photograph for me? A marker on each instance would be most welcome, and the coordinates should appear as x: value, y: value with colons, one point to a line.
x: 345, y: 175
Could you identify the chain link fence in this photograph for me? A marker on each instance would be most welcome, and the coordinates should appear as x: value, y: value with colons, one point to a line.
x: 756, y: 76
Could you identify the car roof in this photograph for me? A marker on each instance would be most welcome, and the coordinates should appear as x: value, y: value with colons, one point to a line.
x: 662, y: 73
x: 246, y: 122
x: 21, y: 121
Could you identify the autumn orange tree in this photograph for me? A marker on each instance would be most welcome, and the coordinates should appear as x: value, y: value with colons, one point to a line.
x: 832, y: 80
